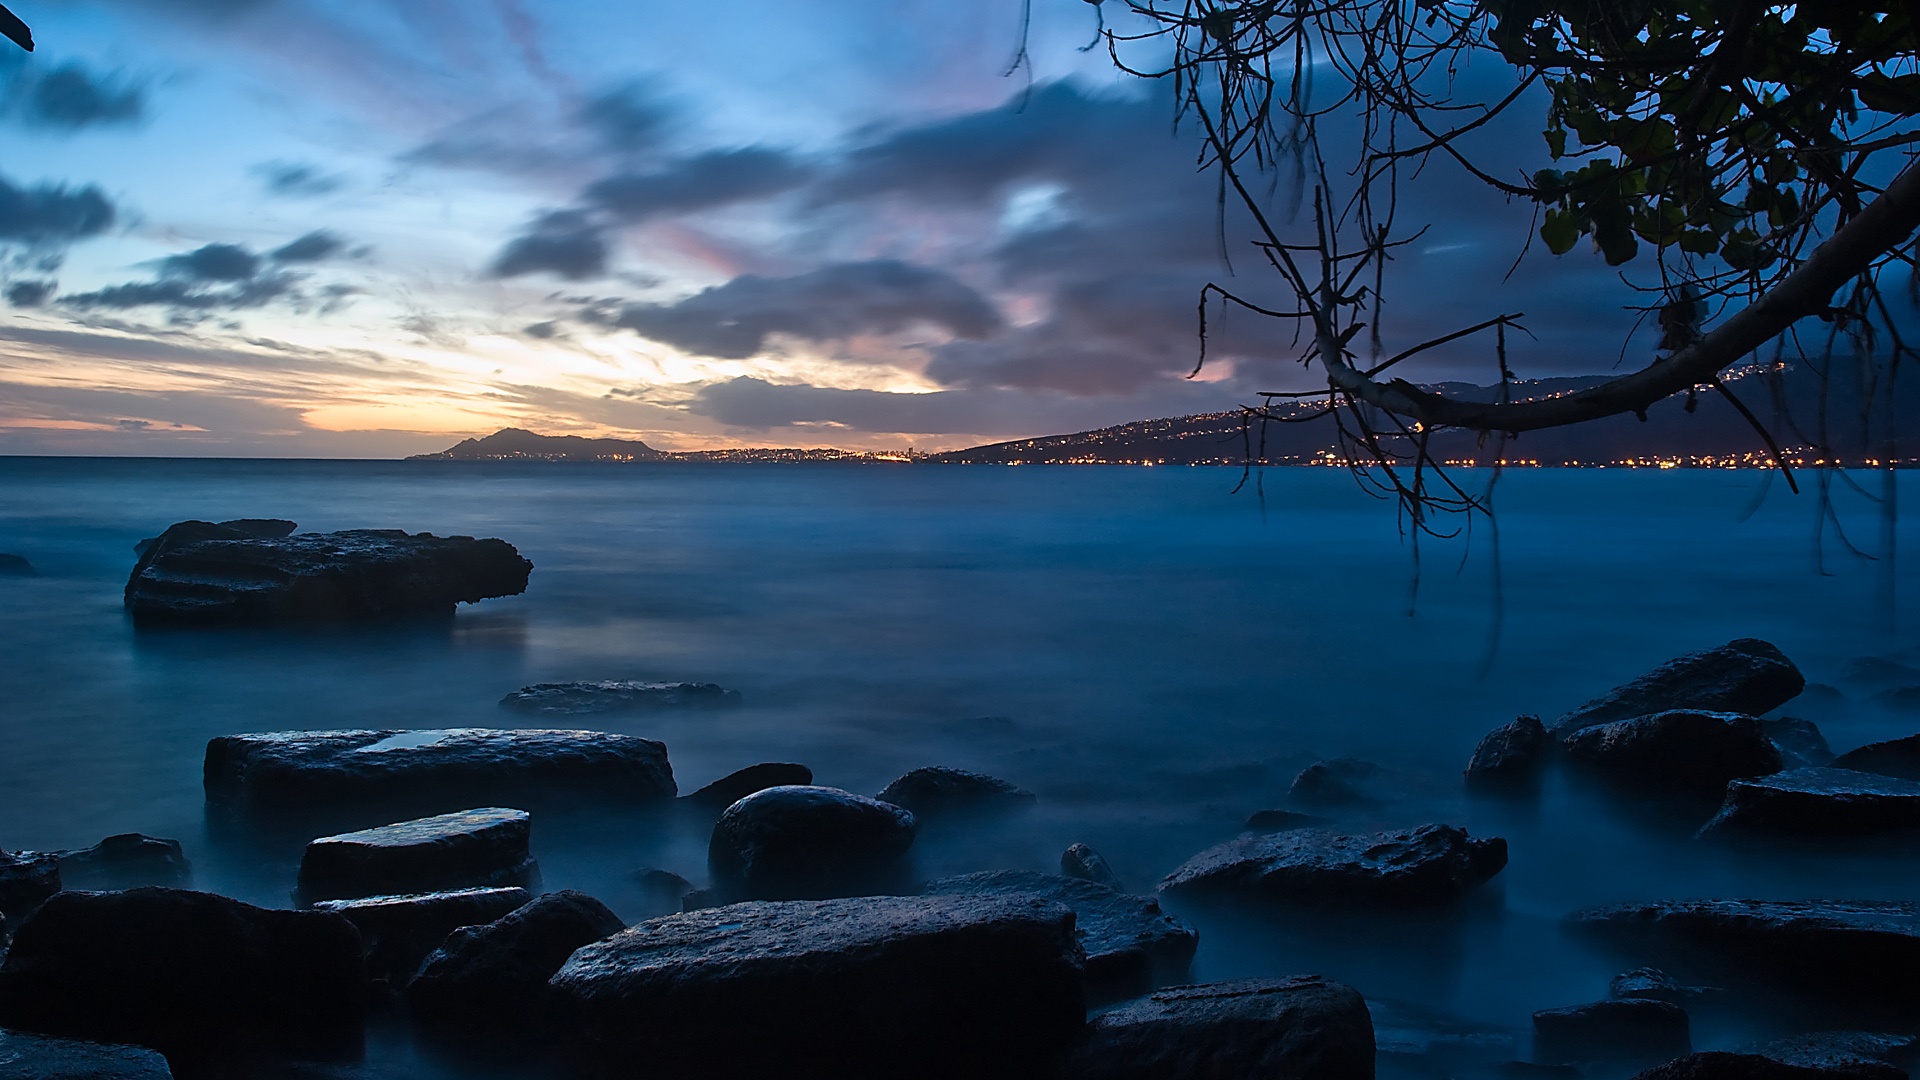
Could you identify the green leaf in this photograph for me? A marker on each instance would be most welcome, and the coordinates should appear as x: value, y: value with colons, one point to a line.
x: 1556, y: 142
x: 1559, y: 231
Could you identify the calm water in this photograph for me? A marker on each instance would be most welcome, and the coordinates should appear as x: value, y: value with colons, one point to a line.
x: 1153, y: 654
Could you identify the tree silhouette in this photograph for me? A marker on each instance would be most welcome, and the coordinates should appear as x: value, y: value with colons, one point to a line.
x: 15, y: 30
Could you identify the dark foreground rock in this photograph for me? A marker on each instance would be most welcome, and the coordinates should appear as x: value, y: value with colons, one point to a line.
x: 26, y: 879
x: 612, y: 695
x: 802, y: 842
x: 1510, y: 758
x: 874, y: 986
x: 186, y: 577
x: 471, y: 766
x: 737, y: 785
x: 1081, y: 861
x: 490, y: 982
x: 1817, y: 803
x: 1656, y: 985
x: 1335, y: 782
x: 199, y: 977
x: 126, y: 861
x: 1895, y: 757
x: 1744, y: 676
x: 397, y: 932
x: 1130, y: 944
x: 1304, y: 1028
x: 16, y: 566
x: 1682, y: 751
x: 1428, y: 866
x: 1721, y: 1065
x: 487, y: 846
x: 937, y: 790
x: 1633, y: 1031
x: 234, y: 529
x: 38, y: 1057
x: 1850, y: 1053
x: 1800, y: 742
x: 1861, y: 950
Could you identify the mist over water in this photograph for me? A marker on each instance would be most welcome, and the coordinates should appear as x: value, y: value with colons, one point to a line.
x: 1151, y: 653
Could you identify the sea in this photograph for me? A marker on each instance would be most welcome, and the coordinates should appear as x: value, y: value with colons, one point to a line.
x: 1155, y: 652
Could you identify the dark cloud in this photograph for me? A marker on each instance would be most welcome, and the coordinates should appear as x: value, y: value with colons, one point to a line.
x: 838, y: 301
x: 27, y: 294
x: 212, y: 262
x: 225, y: 277
x: 70, y: 97
x: 187, y: 294
x: 699, y: 183
x: 295, y: 179
x: 313, y: 247
x: 52, y: 214
x: 625, y: 119
x: 566, y: 243
x: 542, y: 330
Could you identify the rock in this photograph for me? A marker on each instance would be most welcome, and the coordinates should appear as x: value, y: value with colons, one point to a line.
x: 1283, y: 821
x: 1721, y: 1065
x: 1305, y: 1027
x: 26, y: 879
x: 575, y: 698
x: 1081, y: 861
x: 195, y: 976
x: 1817, y: 802
x: 1743, y: 676
x: 1655, y: 985
x: 1337, y: 782
x: 1894, y: 757
x: 734, y: 786
x: 1131, y: 945
x: 1431, y: 865
x: 939, y: 790
x: 491, y: 981
x: 1680, y: 751
x: 1531, y: 1070
x: 701, y: 899
x: 1880, y: 671
x: 455, y: 766
x: 1510, y: 758
x: 1902, y: 698
x: 874, y: 986
x: 37, y: 1057
x: 1626, y: 1030
x: 1423, y: 1043
x: 1799, y: 741
x: 16, y: 566
x: 468, y: 848
x: 1847, y: 1053
x: 125, y: 861
x: 201, y: 574
x: 797, y: 842
x: 234, y: 529
x: 397, y: 932
x: 1859, y: 950
x: 663, y: 885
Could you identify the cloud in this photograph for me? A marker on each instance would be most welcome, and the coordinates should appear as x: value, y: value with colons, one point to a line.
x: 298, y: 180
x: 223, y: 277
x: 701, y: 182
x: 624, y: 120
x: 71, y: 98
x: 213, y: 262
x: 313, y: 247
x: 566, y: 243
x: 27, y: 294
x: 186, y: 294
x: 52, y: 214
x: 734, y: 320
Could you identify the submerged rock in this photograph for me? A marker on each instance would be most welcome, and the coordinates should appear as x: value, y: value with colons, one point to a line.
x: 1799, y: 741
x: 26, y: 879
x: 1432, y: 865
x: 397, y: 932
x: 490, y: 981
x: 874, y: 986
x: 575, y: 698
x: 1817, y: 802
x: 1722, y: 1065
x: 196, y: 976
x: 1894, y: 757
x: 1422, y: 1043
x: 1901, y: 698
x: 1743, y: 676
x: 1283, y: 821
x: 1654, y: 984
x: 1510, y: 758
x: 38, y: 1057
x: 458, y: 765
x: 734, y: 786
x: 1680, y: 750
x: 664, y: 887
x: 126, y: 861
x: 798, y: 842
x: 1081, y: 861
x: 1306, y: 1027
x: 937, y: 790
x: 1624, y: 1030
x: 1335, y: 782
x: 487, y: 846
x: 1131, y: 945
x: 16, y: 566
x: 1880, y: 670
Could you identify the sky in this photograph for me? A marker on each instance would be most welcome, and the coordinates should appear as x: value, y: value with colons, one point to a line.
x: 368, y: 228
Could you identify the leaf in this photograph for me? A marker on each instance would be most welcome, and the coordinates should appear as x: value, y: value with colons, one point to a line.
x: 1556, y: 142
x: 1559, y: 232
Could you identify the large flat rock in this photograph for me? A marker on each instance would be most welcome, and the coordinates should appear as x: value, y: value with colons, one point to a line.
x: 26, y: 879
x: 1746, y: 675
x: 873, y: 986
x: 1894, y: 757
x: 1817, y: 803
x: 398, y: 932
x: 1305, y: 1028
x: 37, y: 1057
x: 482, y: 847
x: 1432, y: 865
x: 1680, y: 750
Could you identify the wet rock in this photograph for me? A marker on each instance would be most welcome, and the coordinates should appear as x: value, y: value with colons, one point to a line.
x: 1306, y: 1027
x: 663, y: 886
x: 1680, y: 751
x: 487, y: 846
x: 16, y: 566
x: 126, y: 861
x: 26, y: 879
x: 37, y: 1057
x: 1655, y: 985
x: 939, y: 790
x: 701, y: 899
x: 1427, y: 866
x: 1894, y: 757
x: 1800, y: 742
x: 233, y: 529
x: 1510, y: 758
x: 1847, y: 1053
x: 873, y: 986
x: 603, y: 696
x: 1859, y: 950
x: 1336, y: 782
x: 1131, y: 945
x: 397, y: 932
x: 491, y: 981
x: 1743, y: 676
x: 1880, y: 671
x: 1817, y: 802
x: 734, y: 786
x: 473, y: 766
x: 1625, y: 1030
x: 1283, y: 820
x: 196, y: 976
x: 1900, y: 698
x: 800, y: 842
x: 1721, y: 1065
x: 1081, y: 861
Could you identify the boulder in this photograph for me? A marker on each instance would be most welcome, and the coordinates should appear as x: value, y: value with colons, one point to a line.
x: 200, y: 574
x: 37, y: 1057
x: 798, y: 842
x: 1894, y: 757
x: 397, y: 932
x: 1427, y: 866
x: 195, y: 976
x: 1880, y: 671
x: 1283, y: 821
x: 16, y: 566
x: 487, y: 846
x: 1654, y: 984
x: 663, y: 887
x: 1799, y: 741
x: 490, y: 981
x: 1743, y: 676
x: 234, y: 529
x: 1131, y: 945
x: 937, y: 790
x: 1305, y: 1027
x: 1336, y: 782
x: 1081, y: 861
x: 469, y: 766
x: 932, y: 987
x: 1722, y: 1065
x: 1848, y: 1053
x: 731, y: 788
x: 1510, y: 758
x: 1623, y: 1030
x: 1681, y: 751
x: 615, y: 695
x: 1899, y: 698
x: 26, y: 879
x: 1817, y: 803
x: 126, y: 861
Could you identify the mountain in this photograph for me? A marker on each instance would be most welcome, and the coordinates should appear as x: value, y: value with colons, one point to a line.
x: 517, y: 443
